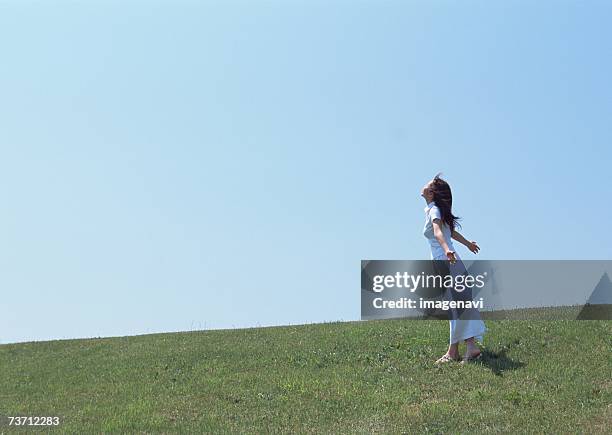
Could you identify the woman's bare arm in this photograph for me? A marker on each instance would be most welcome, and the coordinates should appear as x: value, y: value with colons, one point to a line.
x: 437, y: 229
x: 472, y: 246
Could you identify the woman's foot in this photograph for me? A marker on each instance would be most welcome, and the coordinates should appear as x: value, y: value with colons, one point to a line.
x: 472, y: 352
x: 446, y: 358
x: 471, y: 357
x: 452, y: 354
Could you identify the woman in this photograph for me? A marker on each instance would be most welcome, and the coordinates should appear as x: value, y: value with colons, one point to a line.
x: 440, y: 228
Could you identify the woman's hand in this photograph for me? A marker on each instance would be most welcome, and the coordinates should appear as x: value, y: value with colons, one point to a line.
x: 451, y: 256
x: 472, y: 246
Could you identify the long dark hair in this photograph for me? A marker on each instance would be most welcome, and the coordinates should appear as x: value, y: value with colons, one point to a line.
x: 443, y: 198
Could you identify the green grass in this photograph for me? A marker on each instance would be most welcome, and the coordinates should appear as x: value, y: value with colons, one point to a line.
x: 375, y: 376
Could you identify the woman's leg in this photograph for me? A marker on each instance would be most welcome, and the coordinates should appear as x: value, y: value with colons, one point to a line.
x: 453, y: 349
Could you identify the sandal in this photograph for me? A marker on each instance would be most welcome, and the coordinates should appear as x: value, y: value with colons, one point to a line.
x: 446, y: 358
x: 471, y: 358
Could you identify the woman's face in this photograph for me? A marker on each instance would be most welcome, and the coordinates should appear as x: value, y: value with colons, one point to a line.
x: 427, y: 192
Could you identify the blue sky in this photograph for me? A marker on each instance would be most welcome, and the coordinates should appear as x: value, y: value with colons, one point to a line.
x: 185, y: 165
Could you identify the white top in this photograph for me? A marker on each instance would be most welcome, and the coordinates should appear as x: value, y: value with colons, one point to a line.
x: 433, y: 212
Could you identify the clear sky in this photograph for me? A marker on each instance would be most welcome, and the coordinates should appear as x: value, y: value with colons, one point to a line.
x: 178, y: 165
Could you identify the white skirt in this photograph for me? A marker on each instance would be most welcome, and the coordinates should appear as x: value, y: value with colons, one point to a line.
x: 463, y: 329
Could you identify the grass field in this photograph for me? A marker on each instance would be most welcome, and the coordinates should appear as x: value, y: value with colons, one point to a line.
x: 375, y: 376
